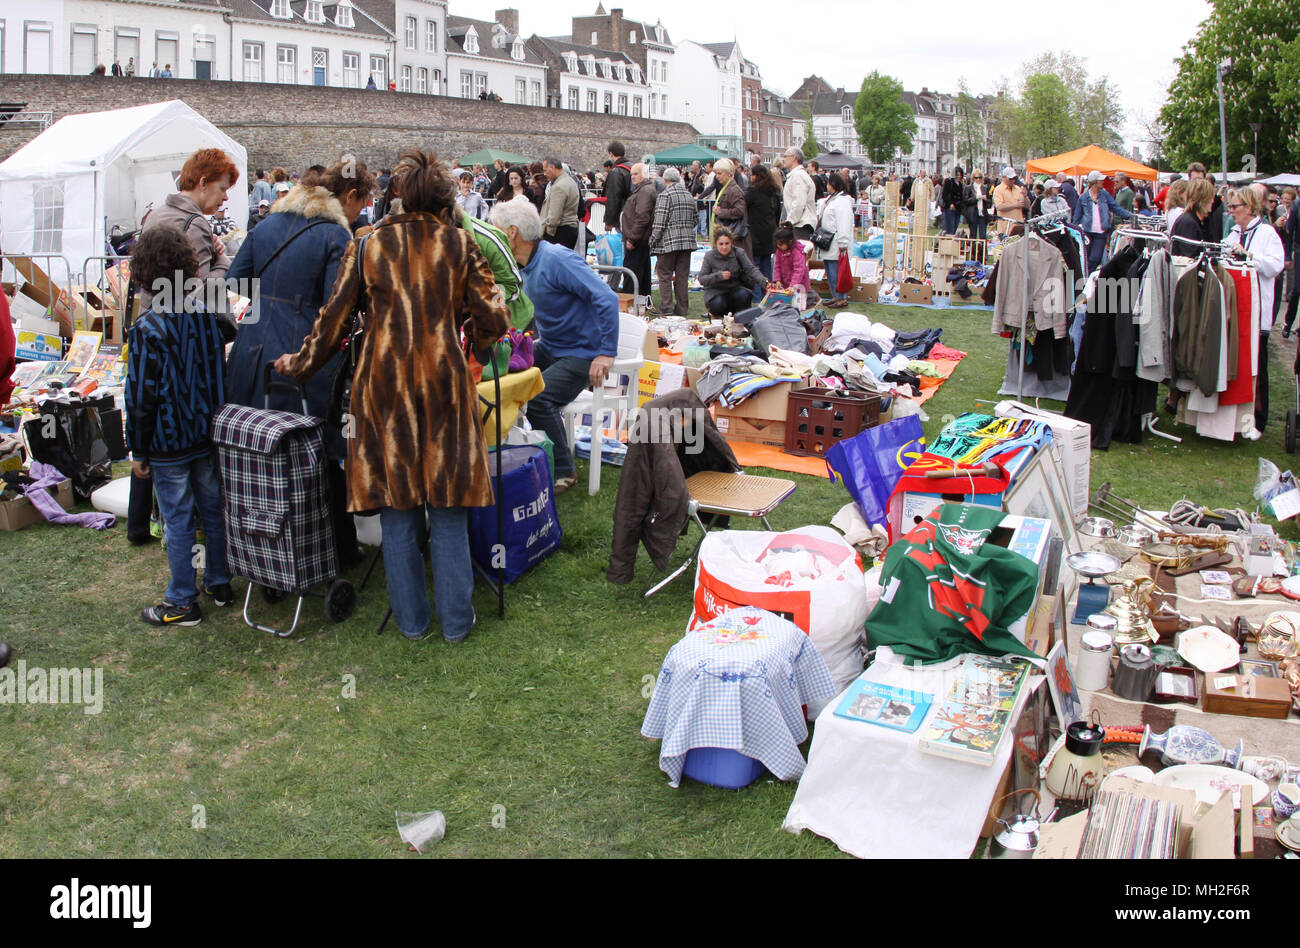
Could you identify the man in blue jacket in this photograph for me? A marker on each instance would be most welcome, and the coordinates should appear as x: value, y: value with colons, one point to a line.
x: 1095, y: 214
x: 577, y: 323
x: 175, y: 383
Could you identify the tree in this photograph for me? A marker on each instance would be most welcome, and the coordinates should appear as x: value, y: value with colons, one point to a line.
x: 884, y: 122
x: 1042, y: 123
x: 1099, y: 115
x: 811, y: 147
x: 1260, y: 36
x: 969, y: 135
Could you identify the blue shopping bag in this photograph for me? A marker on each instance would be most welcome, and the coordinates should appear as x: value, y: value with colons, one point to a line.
x: 870, y: 464
x: 530, y: 526
x: 608, y: 249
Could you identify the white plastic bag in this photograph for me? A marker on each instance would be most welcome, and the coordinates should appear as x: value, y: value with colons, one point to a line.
x: 810, y: 576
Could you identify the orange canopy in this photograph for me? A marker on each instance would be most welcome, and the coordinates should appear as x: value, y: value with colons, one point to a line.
x: 1090, y: 158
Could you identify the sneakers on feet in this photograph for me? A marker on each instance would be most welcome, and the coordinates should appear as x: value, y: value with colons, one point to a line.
x: 166, y: 614
x: 221, y: 595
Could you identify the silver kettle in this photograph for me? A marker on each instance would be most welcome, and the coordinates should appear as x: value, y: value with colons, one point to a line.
x: 1019, y: 837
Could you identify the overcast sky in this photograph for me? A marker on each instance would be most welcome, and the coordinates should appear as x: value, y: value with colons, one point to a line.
x: 842, y: 40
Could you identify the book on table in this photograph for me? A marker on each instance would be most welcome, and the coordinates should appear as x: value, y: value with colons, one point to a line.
x: 886, y: 706
x: 971, y: 721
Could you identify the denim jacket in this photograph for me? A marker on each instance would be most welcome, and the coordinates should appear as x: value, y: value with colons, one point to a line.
x: 1109, y: 208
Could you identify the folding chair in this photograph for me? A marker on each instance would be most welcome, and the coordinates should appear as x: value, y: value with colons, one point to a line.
x: 731, y: 495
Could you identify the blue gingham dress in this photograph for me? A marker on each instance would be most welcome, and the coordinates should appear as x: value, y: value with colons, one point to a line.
x: 739, y: 683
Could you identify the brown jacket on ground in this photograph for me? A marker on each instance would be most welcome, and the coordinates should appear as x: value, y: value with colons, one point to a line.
x: 652, y: 497
x: 417, y: 432
x: 639, y: 213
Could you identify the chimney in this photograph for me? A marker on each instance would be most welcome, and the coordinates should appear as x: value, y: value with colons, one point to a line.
x: 619, y: 41
x: 509, y: 18
x: 839, y: 92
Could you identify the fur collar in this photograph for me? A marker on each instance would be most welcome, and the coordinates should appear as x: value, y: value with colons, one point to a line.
x: 312, y: 202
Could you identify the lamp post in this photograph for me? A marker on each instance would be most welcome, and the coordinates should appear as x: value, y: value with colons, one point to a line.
x: 1254, y: 127
x: 1225, y: 67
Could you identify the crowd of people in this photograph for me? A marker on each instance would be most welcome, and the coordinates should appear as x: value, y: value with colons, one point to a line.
x: 128, y: 70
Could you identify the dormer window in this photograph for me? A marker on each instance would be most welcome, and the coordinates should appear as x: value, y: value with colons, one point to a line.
x: 659, y: 32
x: 631, y: 38
x: 589, y: 62
x: 618, y: 71
x: 571, y: 62
x: 471, y: 41
x: 517, y: 50
x: 315, y: 14
x: 636, y: 73
x: 343, y: 15
x: 847, y: 113
x: 604, y: 68
x: 280, y: 9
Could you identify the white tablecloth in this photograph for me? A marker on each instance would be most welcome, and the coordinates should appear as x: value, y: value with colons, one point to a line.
x: 872, y: 792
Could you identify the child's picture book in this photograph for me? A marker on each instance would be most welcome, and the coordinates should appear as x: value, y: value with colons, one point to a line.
x: 972, y: 719
x: 84, y: 345
x: 107, y: 367
x: 875, y: 703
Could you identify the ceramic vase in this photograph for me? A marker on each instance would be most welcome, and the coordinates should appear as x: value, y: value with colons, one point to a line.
x: 1184, y: 744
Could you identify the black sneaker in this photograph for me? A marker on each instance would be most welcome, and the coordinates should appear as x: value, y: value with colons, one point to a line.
x: 166, y: 614
x: 221, y: 595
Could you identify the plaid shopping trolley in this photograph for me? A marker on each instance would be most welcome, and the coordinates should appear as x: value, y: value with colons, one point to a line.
x: 278, y: 528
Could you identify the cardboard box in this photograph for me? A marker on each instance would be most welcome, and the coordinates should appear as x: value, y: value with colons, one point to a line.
x: 916, y: 293
x: 865, y: 292
x: 1209, y: 836
x: 19, y: 513
x: 1072, y: 438
x: 650, y: 348
x: 760, y: 418
x: 757, y: 430
x: 660, y: 378
x: 625, y: 301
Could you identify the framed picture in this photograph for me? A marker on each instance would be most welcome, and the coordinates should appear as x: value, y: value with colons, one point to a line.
x: 1060, y: 681
x: 1060, y: 492
x: 1258, y: 669
x: 1036, y: 494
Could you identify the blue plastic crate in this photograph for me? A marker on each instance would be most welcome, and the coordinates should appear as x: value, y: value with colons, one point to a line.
x: 722, y: 768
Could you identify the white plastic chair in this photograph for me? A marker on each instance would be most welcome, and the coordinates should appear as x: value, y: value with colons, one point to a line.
x: 619, y: 405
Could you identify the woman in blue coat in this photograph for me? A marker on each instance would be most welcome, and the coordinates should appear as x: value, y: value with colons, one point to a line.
x: 1095, y: 214
x: 293, y: 256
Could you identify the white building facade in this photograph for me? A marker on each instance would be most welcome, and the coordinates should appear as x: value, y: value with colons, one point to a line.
x: 584, y: 78
x: 485, y: 57
x: 704, y: 89
x: 309, y: 42
x: 419, y: 42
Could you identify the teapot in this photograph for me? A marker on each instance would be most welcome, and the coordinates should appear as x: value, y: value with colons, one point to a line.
x: 1019, y: 837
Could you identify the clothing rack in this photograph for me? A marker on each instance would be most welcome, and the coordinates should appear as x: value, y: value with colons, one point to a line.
x: 1034, y: 228
x: 1138, y: 233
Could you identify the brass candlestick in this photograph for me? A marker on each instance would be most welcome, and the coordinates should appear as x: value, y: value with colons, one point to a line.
x: 1132, y: 612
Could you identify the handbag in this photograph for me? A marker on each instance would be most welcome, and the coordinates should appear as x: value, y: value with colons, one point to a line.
x: 844, y: 274
x: 340, y: 406
x: 740, y: 229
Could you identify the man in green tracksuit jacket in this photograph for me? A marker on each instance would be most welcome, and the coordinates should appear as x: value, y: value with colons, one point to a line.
x: 496, y: 247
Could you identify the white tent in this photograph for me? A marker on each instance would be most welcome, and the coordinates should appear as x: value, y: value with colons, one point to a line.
x: 1282, y: 179
x: 63, y: 192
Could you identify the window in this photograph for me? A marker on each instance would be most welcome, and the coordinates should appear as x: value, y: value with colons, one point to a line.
x: 471, y: 41
x: 287, y: 60
x: 280, y: 9
x: 315, y: 12
x: 351, y: 70
x: 343, y: 15
x: 536, y: 89
x: 422, y: 80
x: 466, y: 85
x: 85, y: 48
x: 521, y: 91
x: 595, y: 38
x: 47, y: 219
x: 409, y: 33
x: 609, y: 102
x: 631, y: 38
x: 379, y: 70
x: 571, y: 62
x: 517, y: 50
x: 480, y: 82
x: 636, y: 107
x: 622, y: 104
x: 847, y: 113
x: 404, y: 84
x: 663, y: 104
x: 663, y: 72
x: 591, y: 100
x: 252, y: 62
x: 320, y: 61
x: 430, y: 36
x: 618, y: 71
x: 126, y: 46
x: 589, y: 64
x: 573, y: 98
x: 166, y: 47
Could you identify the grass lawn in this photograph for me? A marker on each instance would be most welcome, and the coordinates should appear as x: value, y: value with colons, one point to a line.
x: 526, y: 736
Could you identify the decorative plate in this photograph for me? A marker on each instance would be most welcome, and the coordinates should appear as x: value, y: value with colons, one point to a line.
x: 1209, y: 649
x: 1285, y: 838
x: 1136, y: 772
x: 1291, y: 587
x: 1209, y: 782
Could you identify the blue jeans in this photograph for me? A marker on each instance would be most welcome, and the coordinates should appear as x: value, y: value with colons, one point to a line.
x: 764, y: 264
x: 181, y: 488
x: 951, y: 219
x: 565, y: 379
x: 832, y: 274
x: 1096, y: 250
x: 702, y: 228
x: 453, y: 571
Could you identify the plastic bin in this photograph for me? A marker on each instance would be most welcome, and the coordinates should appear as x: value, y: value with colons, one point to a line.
x: 720, y: 767
x: 816, y: 418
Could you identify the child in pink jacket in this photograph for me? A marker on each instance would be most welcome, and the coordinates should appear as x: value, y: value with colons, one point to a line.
x: 789, y: 265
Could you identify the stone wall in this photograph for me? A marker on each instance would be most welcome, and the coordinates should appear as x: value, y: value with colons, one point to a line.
x: 296, y: 126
